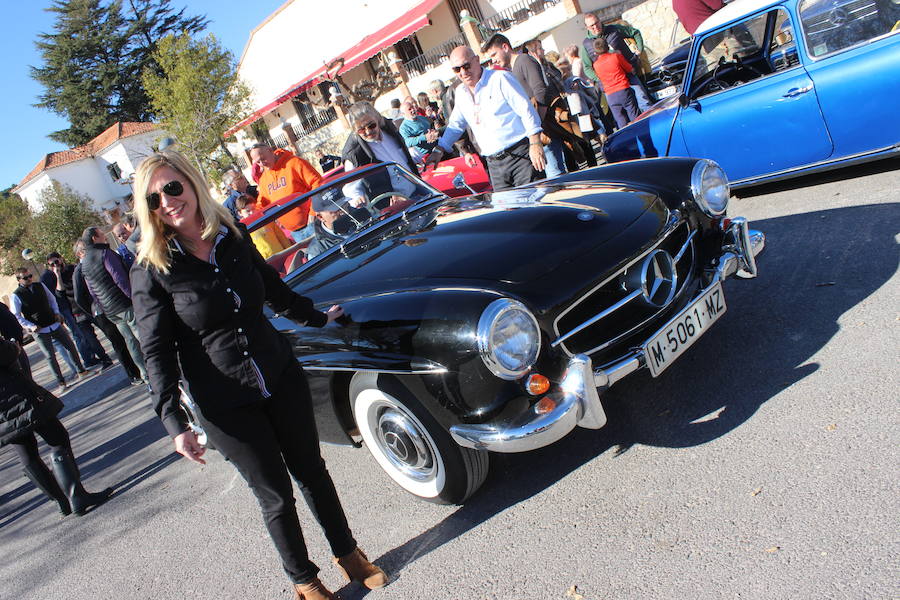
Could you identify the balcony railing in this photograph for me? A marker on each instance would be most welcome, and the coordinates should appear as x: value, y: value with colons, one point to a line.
x: 281, y: 141
x: 313, y: 122
x: 433, y: 57
x: 515, y: 14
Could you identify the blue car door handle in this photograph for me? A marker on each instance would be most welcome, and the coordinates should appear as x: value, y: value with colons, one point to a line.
x: 794, y: 92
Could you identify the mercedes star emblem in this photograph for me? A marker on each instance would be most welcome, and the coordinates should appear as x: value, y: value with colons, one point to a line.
x: 658, y: 279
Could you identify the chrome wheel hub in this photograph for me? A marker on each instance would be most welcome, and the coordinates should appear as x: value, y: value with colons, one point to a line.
x: 403, y: 443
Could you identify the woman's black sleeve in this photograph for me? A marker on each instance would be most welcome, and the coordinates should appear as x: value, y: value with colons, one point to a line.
x: 156, y: 320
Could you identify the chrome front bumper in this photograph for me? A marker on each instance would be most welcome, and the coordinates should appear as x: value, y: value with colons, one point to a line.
x: 578, y: 399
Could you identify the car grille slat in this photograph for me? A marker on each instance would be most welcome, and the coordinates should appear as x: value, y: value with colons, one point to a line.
x: 609, y: 313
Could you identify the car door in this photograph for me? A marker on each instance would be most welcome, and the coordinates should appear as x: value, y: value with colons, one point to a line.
x: 852, y: 52
x: 753, y: 107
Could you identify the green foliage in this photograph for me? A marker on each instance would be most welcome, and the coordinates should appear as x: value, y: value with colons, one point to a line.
x: 93, y: 59
x: 197, y: 96
x: 64, y: 216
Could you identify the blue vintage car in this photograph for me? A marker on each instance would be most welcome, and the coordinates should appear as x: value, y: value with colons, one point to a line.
x: 777, y: 89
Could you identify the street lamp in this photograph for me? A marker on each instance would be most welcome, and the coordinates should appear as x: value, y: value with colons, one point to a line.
x: 28, y: 254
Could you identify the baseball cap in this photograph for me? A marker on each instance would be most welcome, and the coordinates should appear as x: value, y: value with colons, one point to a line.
x: 330, y: 199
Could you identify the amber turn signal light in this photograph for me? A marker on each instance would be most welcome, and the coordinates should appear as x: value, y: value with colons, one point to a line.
x: 544, y: 405
x: 537, y: 384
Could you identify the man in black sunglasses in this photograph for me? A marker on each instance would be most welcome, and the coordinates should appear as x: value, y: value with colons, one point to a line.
x: 109, y: 286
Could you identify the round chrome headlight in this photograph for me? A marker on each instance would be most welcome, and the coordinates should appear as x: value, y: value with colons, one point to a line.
x: 508, y: 338
x: 709, y: 184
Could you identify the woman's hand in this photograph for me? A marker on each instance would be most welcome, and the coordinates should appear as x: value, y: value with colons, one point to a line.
x: 334, y: 312
x: 186, y: 444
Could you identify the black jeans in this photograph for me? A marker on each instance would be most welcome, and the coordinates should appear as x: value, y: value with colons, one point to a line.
x: 261, y: 440
x: 511, y: 167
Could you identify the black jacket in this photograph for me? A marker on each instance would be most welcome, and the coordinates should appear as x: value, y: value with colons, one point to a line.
x: 81, y: 295
x: 23, y: 403
x: 65, y: 297
x: 205, y: 322
x: 9, y: 325
x: 110, y: 296
x: 357, y: 150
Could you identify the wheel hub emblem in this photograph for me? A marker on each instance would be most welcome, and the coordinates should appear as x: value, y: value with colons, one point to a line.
x: 396, y: 445
x: 658, y: 279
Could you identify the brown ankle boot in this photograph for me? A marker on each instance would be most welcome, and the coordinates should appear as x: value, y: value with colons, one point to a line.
x: 314, y: 590
x: 356, y: 567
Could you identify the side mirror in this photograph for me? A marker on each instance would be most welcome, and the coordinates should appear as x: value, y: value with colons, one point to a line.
x: 684, y: 101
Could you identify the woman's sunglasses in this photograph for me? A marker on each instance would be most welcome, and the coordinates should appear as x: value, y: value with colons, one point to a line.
x: 173, y: 188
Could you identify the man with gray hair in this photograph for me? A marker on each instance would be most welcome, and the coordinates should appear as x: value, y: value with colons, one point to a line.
x: 235, y: 181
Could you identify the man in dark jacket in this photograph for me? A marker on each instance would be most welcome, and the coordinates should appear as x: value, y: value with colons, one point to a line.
x: 81, y: 298
x: 109, y: 286
x: 616, y: 43
x: 58, y: 279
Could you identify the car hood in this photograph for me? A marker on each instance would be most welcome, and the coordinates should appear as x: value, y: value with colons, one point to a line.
x: 560, y: 236
x: 666, y: 105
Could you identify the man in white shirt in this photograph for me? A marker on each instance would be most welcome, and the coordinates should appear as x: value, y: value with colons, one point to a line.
x: 505, y: 125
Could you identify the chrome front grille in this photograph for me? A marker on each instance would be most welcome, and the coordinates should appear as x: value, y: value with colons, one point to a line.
x: 618, y: 307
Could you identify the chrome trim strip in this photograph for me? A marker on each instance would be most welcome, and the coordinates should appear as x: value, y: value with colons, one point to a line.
x: 675, y: 221
x: 684, y: 248
x: 414, y: 371
x: 597, y: 317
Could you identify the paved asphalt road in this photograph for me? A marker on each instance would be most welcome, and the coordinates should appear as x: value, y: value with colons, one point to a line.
x: 763, y: 465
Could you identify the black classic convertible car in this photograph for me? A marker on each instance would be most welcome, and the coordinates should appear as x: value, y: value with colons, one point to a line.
x: 495, y: 322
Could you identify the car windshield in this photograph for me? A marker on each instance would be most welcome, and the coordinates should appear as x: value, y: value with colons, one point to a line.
x: 343, y: 207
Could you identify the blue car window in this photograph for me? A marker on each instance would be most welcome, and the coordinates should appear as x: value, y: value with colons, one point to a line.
x: 783, y: 49
x: 833, y: 25
x: 732, y: 57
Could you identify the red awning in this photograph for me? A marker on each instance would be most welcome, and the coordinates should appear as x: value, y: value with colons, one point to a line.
x: 369, y: 46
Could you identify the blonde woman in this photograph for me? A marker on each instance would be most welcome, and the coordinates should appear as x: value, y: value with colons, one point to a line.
x: 198, y: 288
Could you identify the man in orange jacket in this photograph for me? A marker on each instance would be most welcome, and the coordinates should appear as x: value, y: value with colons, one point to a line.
x: 286, y: 175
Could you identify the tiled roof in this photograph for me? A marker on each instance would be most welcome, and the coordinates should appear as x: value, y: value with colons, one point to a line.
x: 103, y: 141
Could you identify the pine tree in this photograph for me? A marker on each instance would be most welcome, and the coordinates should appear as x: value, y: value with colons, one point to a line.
x: 92, y: 62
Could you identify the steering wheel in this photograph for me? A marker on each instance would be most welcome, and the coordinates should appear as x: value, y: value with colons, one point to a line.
x: 372, y: 205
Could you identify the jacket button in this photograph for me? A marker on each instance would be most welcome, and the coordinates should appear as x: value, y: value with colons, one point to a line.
x: 227, y: 289
x: 240, y: 330
x: 246, y: 353
x: 235, y: 310
x: 215, y: 270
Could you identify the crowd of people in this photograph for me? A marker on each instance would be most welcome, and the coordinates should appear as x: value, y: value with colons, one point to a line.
x: 179, y: 293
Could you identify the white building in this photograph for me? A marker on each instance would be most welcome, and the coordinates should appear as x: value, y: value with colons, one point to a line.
x: 100, y: 169
x: 286, y: 61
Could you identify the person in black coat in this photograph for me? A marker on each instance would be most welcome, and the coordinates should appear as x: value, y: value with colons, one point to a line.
x: 10, y: 329
x: 25, y: 409
x: 198, y: 288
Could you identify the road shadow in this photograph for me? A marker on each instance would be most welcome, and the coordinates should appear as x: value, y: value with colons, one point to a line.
x: 817, y: 266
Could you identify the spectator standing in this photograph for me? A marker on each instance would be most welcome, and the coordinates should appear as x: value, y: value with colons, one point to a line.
x: 92, y: 351
x: 531, y: 77
x: 25, y: 409
x: 81, y: 298
x: 418, y: 133
x: 109, y: 285
x: 612, y: 71
x: 374, y: 140
x: 616, y: 42
x: 121, y: 231
x: 55, y: 266
x: 237, y: 184
x: 327, y: 162
x: 286, y: 176
x: 503, y: 122
x: 254, y: 400
x: 36, y: 309
x: 10, y: 329
x: 692, y: 13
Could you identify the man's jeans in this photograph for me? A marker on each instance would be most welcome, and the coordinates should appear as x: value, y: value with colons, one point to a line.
x: 80, y: 342
x: 70, y: 354
x: 556, y: 159
x: 127, y: 326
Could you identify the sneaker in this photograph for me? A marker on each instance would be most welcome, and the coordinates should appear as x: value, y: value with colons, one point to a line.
x: 137, y: 381
x: 84, y: 375
x: 63, y: 386
x: 107, y: 365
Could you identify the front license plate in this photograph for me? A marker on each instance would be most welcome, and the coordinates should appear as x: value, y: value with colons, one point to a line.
x: 667, y: 91
x: 681, y: 332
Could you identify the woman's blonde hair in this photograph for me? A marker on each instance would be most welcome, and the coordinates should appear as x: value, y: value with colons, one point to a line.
x: 153, y: 249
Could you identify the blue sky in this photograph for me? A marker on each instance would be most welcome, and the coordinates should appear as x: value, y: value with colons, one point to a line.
x: 25, y: 128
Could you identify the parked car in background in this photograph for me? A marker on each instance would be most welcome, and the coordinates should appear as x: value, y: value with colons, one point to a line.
x: 667, y: 71
x: 495, y: 322
x: 778, y: 89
